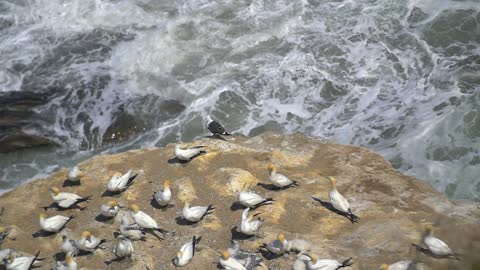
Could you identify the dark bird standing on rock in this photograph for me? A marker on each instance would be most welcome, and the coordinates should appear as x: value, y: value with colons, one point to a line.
x: 215, y: 127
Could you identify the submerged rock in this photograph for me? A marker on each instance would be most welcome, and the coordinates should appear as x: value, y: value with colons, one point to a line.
x: 392, y: 207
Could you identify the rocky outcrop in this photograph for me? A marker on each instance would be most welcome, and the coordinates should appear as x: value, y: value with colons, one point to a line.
x: 16, y: 115
x: 392, y: 207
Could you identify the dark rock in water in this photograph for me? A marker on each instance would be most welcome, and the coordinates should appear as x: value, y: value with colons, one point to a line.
x: 20, y: 140
x: 271, y: 126
x: 416, y: 15
x: 139, y: 115
x: 15, y: 116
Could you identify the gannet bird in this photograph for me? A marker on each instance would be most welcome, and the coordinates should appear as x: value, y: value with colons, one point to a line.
x: 119, y: 182
x: 325, y: 264
x: 195, y: 213
x: 53, y: 224
x: 3, y: 233
x: 75, y: 174
x: 144, y: 220
x: 229, y: 263
x: 247, y: 258
x: 66, y: 199
x: 4, y: 253
x: 68, y: 245
x: 68, y: 264
x: 301, y: 262
x: 110, y: 209
x: 20, y: 263
x: 278, y: 179
x: 249, y: 226
x: 400, y: 265
x: 186, y: 153
x: 131, y: 231
x: 252, y: 200
x: 88, y: 242
x: 339, y: 202
x: 164, y: 195
x: 436, y: 246
x: 215, y: 127
x: 277, y: 246
x: 124, y: 247
x: 186, y: 252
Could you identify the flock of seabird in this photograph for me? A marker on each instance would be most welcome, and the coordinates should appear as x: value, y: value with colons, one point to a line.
x: 233, y: 258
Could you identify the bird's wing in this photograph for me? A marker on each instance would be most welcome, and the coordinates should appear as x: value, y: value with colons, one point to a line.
x: 253, y: 198
x: 66, y: 202
x: 338, y: 201
x: 326, y: 264
x: 145, y: 220
x: 198, y: 210
x: 187, y: 250
x: 283, y: 180
x: 216, y: 128
x: 437, y: 246
x: 58, y: 221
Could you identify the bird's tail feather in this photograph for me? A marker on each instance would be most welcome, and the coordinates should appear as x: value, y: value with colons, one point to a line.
x: 267, y: 201
x: 162, y: 231
x: 454, y: 256
x: 195, y: 242
x: 85, y: 199
x: 294, y: 184
x: 100, y: 243
x: 346, y: 263
x: 35, y: 258
x: 353, y: 218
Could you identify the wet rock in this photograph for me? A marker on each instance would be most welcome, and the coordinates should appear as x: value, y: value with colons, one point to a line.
x: 392, y: 207
x: 16, y: 115
x: 138, y: 115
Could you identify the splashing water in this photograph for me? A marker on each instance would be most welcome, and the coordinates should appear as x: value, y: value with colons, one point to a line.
x: 399, y: 77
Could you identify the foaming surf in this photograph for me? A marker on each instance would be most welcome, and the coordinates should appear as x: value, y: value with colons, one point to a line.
x: 399, y: 77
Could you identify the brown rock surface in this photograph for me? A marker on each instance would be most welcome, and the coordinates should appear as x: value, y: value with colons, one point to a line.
x: 392, y: 207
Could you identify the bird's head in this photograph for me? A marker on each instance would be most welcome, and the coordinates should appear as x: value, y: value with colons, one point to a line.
x: 42, y: 216
x: 112, y: 203
x: 54, y: 190
x: 384, y: 267
x: 313, y: 258
x: 166, y: 184
x: 134, y: 208
x: 2, y: 229
x: 428, y: 229
x: 179, y: 254
x: 225, y: 255
x: 183, y: 146
x: 281, y: 237
x: 332, y: 180
x: 69, y: 258
x: 271, y: 168
x: 78, y: 171
x: 86, y: 234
